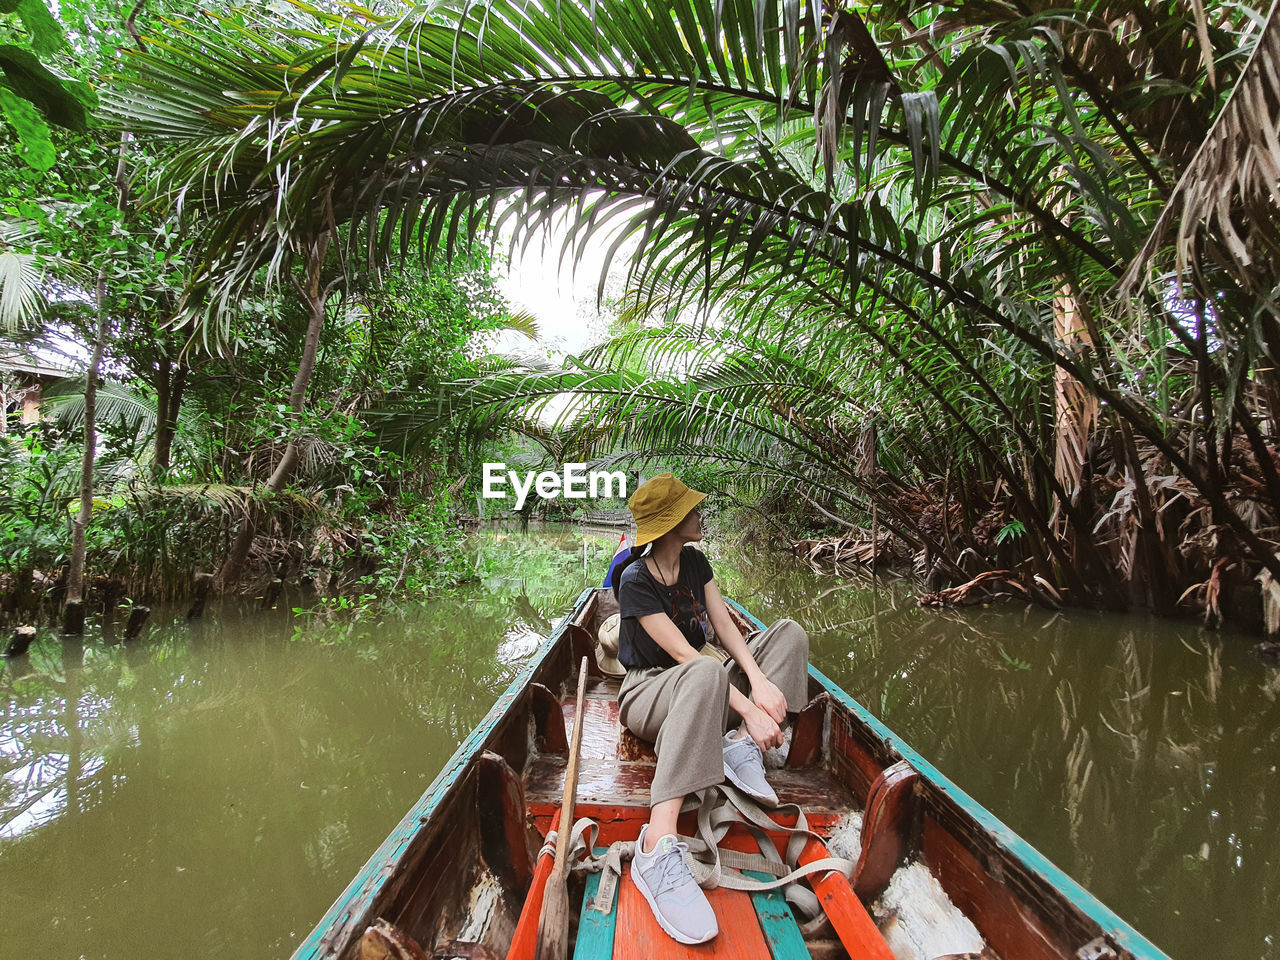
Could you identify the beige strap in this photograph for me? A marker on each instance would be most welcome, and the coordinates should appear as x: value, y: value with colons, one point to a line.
x: 711, y: 866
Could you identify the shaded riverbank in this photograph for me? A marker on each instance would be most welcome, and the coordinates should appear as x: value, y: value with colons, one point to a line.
x: 235, y: 775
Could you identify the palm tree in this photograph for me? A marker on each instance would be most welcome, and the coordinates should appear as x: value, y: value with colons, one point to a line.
x: 938, y: 184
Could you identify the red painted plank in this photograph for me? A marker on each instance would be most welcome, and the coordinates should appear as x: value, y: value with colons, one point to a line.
x: 638, y: 936
x: 1005, y: 920
x: 852, y: 923
x: 623, y: 823
x: 525, y: 940
x: 615, y: 822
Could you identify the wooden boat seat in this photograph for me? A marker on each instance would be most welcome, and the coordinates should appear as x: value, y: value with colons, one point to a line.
x: 617, y: 768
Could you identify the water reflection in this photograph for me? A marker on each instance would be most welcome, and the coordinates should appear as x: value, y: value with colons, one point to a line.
x: 236, y: 773
x: 1138, y: 755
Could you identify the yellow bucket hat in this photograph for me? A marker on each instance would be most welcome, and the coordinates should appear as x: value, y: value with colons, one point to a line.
x: 659, y: 504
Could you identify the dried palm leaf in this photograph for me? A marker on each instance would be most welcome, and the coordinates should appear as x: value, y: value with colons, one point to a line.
x: 1270, y: 601
x: 1076, y: 408
x: 1226, y: 206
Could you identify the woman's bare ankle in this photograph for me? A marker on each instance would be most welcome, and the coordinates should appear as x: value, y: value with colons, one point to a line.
x: 662, y: 822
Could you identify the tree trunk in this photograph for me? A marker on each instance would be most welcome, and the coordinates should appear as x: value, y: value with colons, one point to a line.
x: 73, y: 617
x: 1267, y: 369
x: 160, y: 463
x: 169, y: 387
x: 73, y: 608
x: 1158, y: 573
x: 314, y: 298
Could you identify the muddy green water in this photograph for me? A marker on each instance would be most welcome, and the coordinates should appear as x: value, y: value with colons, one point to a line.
x: 210, y: 791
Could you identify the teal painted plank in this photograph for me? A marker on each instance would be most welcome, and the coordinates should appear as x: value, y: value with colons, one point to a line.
x: 1036, y: 862
x: 777, y: 922
x: 364, y: 890
x: 595, y: 929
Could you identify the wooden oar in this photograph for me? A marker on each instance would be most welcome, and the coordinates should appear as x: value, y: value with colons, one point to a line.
x: 553, y: 923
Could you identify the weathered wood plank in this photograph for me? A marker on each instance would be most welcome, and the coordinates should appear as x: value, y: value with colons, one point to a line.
x: 584, y: 645
x: 605, y: 736
x: 433, y: 892
x: 639, y: 937
x: 1004, y: 919
x: 500, y: 806
x: 626, y: 783
x: 595, y: 929
x: 777, y: 923
x: 890, y: 829
x: 550, y: 735
x: 807, y: 736
x: 601, y: 729
x: 386, y: 941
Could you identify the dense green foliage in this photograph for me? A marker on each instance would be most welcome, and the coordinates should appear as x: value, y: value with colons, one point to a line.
x: 34, y: 93
x: 882, y: 246
x: 352, y: 499
x: 187, y: 435
x: 894, y: 261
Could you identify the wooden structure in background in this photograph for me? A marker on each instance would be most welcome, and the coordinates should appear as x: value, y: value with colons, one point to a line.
x: 22, y: 381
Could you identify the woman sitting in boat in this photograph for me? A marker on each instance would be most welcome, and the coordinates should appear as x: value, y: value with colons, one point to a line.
x: 684, y: 702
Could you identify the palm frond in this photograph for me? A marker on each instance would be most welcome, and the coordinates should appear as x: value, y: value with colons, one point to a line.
x: 1225, y: 210
x: 522, y: 321
x: 21, y: 289
x: 904, y: 191
x: 132, y: 412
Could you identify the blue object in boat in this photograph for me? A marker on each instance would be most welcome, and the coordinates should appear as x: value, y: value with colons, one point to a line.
x: 624, y: 549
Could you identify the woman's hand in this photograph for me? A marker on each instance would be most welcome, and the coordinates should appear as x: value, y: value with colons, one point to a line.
x: 763, y: 729
x: 766, y: 695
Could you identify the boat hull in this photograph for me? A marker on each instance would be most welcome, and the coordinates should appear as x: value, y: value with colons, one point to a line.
x: 455, y: 871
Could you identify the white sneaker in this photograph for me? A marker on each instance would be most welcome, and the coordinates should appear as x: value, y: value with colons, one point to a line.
x: 677, y: 902
x: 744, y: 768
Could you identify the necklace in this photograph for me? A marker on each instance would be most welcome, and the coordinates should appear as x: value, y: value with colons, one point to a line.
x: 663, y: 575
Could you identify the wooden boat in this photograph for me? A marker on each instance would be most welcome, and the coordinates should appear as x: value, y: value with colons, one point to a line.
x: 456, y: 874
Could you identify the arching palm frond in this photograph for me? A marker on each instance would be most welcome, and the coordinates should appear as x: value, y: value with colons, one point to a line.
x: 21, y: 289
x: 1231, y: 188
x: 926, y: 205
x: 132, y: 413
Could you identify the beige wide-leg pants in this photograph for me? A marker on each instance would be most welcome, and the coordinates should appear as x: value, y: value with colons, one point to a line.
x: 684, y: 710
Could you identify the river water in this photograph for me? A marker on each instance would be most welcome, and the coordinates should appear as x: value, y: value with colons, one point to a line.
x: 209, y: 791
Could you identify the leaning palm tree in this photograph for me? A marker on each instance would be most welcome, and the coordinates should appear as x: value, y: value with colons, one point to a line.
x: 957, y: 187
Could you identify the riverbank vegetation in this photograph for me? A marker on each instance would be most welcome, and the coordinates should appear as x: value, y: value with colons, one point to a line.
x: 987, y: 288
x: 199, y: 442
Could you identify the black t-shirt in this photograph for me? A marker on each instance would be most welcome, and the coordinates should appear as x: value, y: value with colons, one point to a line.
x: 685, y: 602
